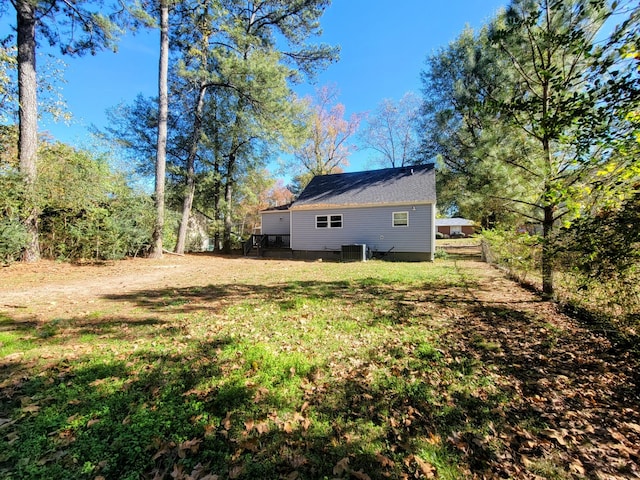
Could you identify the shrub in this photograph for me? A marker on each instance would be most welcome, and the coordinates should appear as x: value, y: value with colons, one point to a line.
x: 601, y: 256
x: 13, y: 235
x: 89, y: 211
x: 13, y: 239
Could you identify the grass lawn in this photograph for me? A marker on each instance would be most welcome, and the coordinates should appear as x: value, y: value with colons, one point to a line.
x: 294, y: 370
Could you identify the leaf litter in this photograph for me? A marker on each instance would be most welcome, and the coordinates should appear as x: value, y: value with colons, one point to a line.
x: 512, y: 387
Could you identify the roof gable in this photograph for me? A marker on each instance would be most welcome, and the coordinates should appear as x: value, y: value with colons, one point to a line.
x: 401, y: 185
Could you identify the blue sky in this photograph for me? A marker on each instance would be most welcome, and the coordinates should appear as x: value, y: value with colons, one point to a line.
x: 384, y: 45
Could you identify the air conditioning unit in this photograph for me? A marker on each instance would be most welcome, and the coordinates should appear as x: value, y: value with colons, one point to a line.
x: 354, y: 253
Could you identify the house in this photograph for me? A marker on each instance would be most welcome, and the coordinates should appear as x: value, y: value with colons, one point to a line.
x: 455, y: 227
x: 276, y: 225
x: 389, y: 211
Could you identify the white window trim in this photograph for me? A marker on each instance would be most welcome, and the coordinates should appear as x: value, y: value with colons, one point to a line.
x: 393, y: 220
x: 328, y: 217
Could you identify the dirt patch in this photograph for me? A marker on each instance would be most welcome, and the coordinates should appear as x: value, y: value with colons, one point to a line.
x: 47, y: 288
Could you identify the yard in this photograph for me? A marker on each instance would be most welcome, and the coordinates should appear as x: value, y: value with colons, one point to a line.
x: 202, y: 367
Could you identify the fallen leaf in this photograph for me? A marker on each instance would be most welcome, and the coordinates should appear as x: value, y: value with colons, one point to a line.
x: 341, y: 467
x: 192, y: 445
x: 177, y: 471
x: 250, y: 444
x: 617, y: 435
x: 434, y: 439
x: 236, y: 471
x: 5, y: 422
x: 425, y: 467
x: 52, y: 457
x: 12, y: 437
x: 557, y: 435
x: 632, y: 426
x: 360, y: 475
x: 576, y: 467
x: 384, y: 461
x: 262, y: 427
x: 306, y: 423
x: 298, y: 460
x: 226, y: 422
x: 248, y: 425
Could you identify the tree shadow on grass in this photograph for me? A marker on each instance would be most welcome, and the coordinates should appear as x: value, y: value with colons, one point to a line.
x: 465, y: 404
x: 287, y: 296
x: 202, y: 409
x: 578, y: 398
x: 115, y: 416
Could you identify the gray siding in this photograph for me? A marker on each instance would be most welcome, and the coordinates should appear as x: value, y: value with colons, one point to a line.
x: 369, y: 225
x: 276, y: 223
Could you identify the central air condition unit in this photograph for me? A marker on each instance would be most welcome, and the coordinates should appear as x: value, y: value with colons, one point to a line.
x: 354, y: 253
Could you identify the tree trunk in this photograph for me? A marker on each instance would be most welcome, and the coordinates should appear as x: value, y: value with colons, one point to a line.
x: 547, y: 223
x: 163, y: 108
x: 28, y: 119
x: 547, y: 267
x: 191, y: 174
x: 216, y: 203
x: 228, y: 196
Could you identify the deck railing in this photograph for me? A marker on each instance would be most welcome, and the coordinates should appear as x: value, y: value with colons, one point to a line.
x: 267, y: 241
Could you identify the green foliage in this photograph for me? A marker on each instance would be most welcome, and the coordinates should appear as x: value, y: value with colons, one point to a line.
x: 13, y: 239
x: 519, y: 252
x: 8, y: 85
x: 601, y: 255
x: 231, y: 105
x: 13, y: 235
x: 532, y: 116
x: 88, y: 212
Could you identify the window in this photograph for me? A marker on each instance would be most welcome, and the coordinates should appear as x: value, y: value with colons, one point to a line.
x: 322, y: 221
x: 400, y: 219
x: 328, y: 221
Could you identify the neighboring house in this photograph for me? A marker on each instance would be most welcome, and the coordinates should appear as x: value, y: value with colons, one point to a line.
x: 197, y: 232
x: 455, y: 226
x: 391, y: 211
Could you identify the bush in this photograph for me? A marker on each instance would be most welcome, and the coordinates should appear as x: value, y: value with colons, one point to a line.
x: 13, y: 240
x: 601, y: 257
x: 13, y: 235
x: 89, y: 211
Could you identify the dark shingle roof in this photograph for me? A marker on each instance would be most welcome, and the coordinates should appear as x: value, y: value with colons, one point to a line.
x: 374, y: 187
x: 277, y: 208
